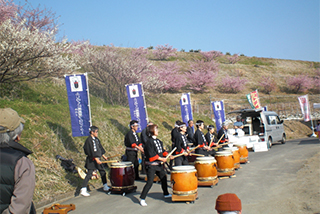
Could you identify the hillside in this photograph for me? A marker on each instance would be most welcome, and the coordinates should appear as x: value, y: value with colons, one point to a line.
x: 44, y: 106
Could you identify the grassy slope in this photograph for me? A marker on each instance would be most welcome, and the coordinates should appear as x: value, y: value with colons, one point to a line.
x: 44, y: 106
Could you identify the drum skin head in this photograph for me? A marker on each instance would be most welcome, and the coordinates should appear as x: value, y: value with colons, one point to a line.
x: 231, y: 148
x: 223, y: 153
x: 183, y: 168
x: 209, y: 159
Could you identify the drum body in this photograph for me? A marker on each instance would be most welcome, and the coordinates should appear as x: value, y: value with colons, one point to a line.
x: 184, y: 180
x: 243, y: 152
x: 122, y: 175
x: 225, y: 162
x: 236, y: 155
x: 191, y: 159
x: 206, y: 168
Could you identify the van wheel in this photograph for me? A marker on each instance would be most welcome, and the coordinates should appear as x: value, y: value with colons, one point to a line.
x: 283, y: 141
x: 269, y: 143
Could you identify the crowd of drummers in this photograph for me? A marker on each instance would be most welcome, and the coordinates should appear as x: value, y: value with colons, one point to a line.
x: 189, y: 144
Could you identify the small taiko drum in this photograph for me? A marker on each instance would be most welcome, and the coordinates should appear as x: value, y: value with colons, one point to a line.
x: 206, y: 168
x: 184, y: 180
x: 122, y: 175
x: 243, y: 152
x: 225, y: 162
x: 236, y: 155
x: 191, y: 159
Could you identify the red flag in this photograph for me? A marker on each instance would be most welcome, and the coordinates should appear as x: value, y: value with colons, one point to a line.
x: 255, y: 99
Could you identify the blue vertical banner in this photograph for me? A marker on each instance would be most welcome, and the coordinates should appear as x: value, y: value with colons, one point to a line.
x: 186, y: 110
x: 138, y: 109
x: 79, y: 104
x: 219, y: 115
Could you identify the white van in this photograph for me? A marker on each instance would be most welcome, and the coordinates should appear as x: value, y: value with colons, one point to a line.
x: 266, y: 124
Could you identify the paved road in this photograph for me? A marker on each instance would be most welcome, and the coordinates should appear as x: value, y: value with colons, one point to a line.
x: 267, y: 175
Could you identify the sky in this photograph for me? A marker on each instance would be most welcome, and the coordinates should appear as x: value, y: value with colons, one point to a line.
x: 282, y: 29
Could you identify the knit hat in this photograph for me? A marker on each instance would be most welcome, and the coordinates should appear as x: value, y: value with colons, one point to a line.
x: 9, y: 120
x: 228, y: 202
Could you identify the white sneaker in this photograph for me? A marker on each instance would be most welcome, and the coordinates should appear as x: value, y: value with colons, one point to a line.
x: 143, y: 203
x: 84, y: 192
x: 105, y: 187
x: 168, y: 196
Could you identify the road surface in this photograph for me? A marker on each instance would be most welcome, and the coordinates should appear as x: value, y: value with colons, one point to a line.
x: 268, y: 178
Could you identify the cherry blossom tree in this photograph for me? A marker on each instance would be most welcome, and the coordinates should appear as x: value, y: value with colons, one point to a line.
x: 315, y: 81
x: 112, y: 68
x: 169, y: 73
x: 28, y: 48
x: 164, y: 52
x: 299, y: 83
x: 201, y: 75
x: 40, y: 19
x: 211, y: 55
x: 230, y: 84
x: 233, y: 59
x: 268, y: 84
x: 26, y: 55
x: 8, y: 10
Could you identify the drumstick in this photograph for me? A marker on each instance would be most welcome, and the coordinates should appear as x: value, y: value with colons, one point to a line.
x: 191, y: 150
x: 197, y: 154
x: 110, y: 161
x: 210, y: 144
x: 113, y: 156
x: 174, y: 149
x: 220, y: 139
x: 219, y: 146
x: 178, y: 155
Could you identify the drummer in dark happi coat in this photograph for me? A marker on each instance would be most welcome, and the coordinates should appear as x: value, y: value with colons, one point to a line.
x: 155, y: 159
x: 94, y: 151
x: 200, y: 140
x: 133, y: 145
x: 181, y: 143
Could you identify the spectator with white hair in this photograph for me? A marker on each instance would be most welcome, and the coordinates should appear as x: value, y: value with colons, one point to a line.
x: 223, y: 134
x: 17, y: 177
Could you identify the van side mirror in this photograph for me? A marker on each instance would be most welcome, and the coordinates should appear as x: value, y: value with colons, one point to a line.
x: 281, y: 121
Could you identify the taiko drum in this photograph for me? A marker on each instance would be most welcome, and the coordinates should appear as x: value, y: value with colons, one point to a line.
x: 184, y: 180
x: 225, y: 162
x: 206, y: 168
x: 243, y: 152
x: 235, y: 154
x: 122, y: 175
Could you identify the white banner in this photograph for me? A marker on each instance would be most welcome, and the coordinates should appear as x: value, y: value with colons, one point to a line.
x: 305, y: 108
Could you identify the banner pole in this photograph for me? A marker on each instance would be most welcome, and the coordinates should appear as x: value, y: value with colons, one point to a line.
x: 86, y: 75
x: 145, y: 104
x: 313, y: 134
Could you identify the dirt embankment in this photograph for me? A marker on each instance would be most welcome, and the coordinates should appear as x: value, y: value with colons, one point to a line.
x: 297, y: 129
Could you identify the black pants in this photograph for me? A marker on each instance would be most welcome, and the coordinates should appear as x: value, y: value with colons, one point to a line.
x: 143, y: 165
x: 151, y: 171
x: 89, y: 175
x: 133, y: 157
x: 182, y: 160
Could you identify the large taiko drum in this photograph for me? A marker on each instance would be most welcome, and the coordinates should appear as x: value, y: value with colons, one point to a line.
x: 206, y: 168
x: 243, y: 152
x: 236, y: 155
x: 184, y: 180
x: 122, y: 175
x: 225, y: 162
